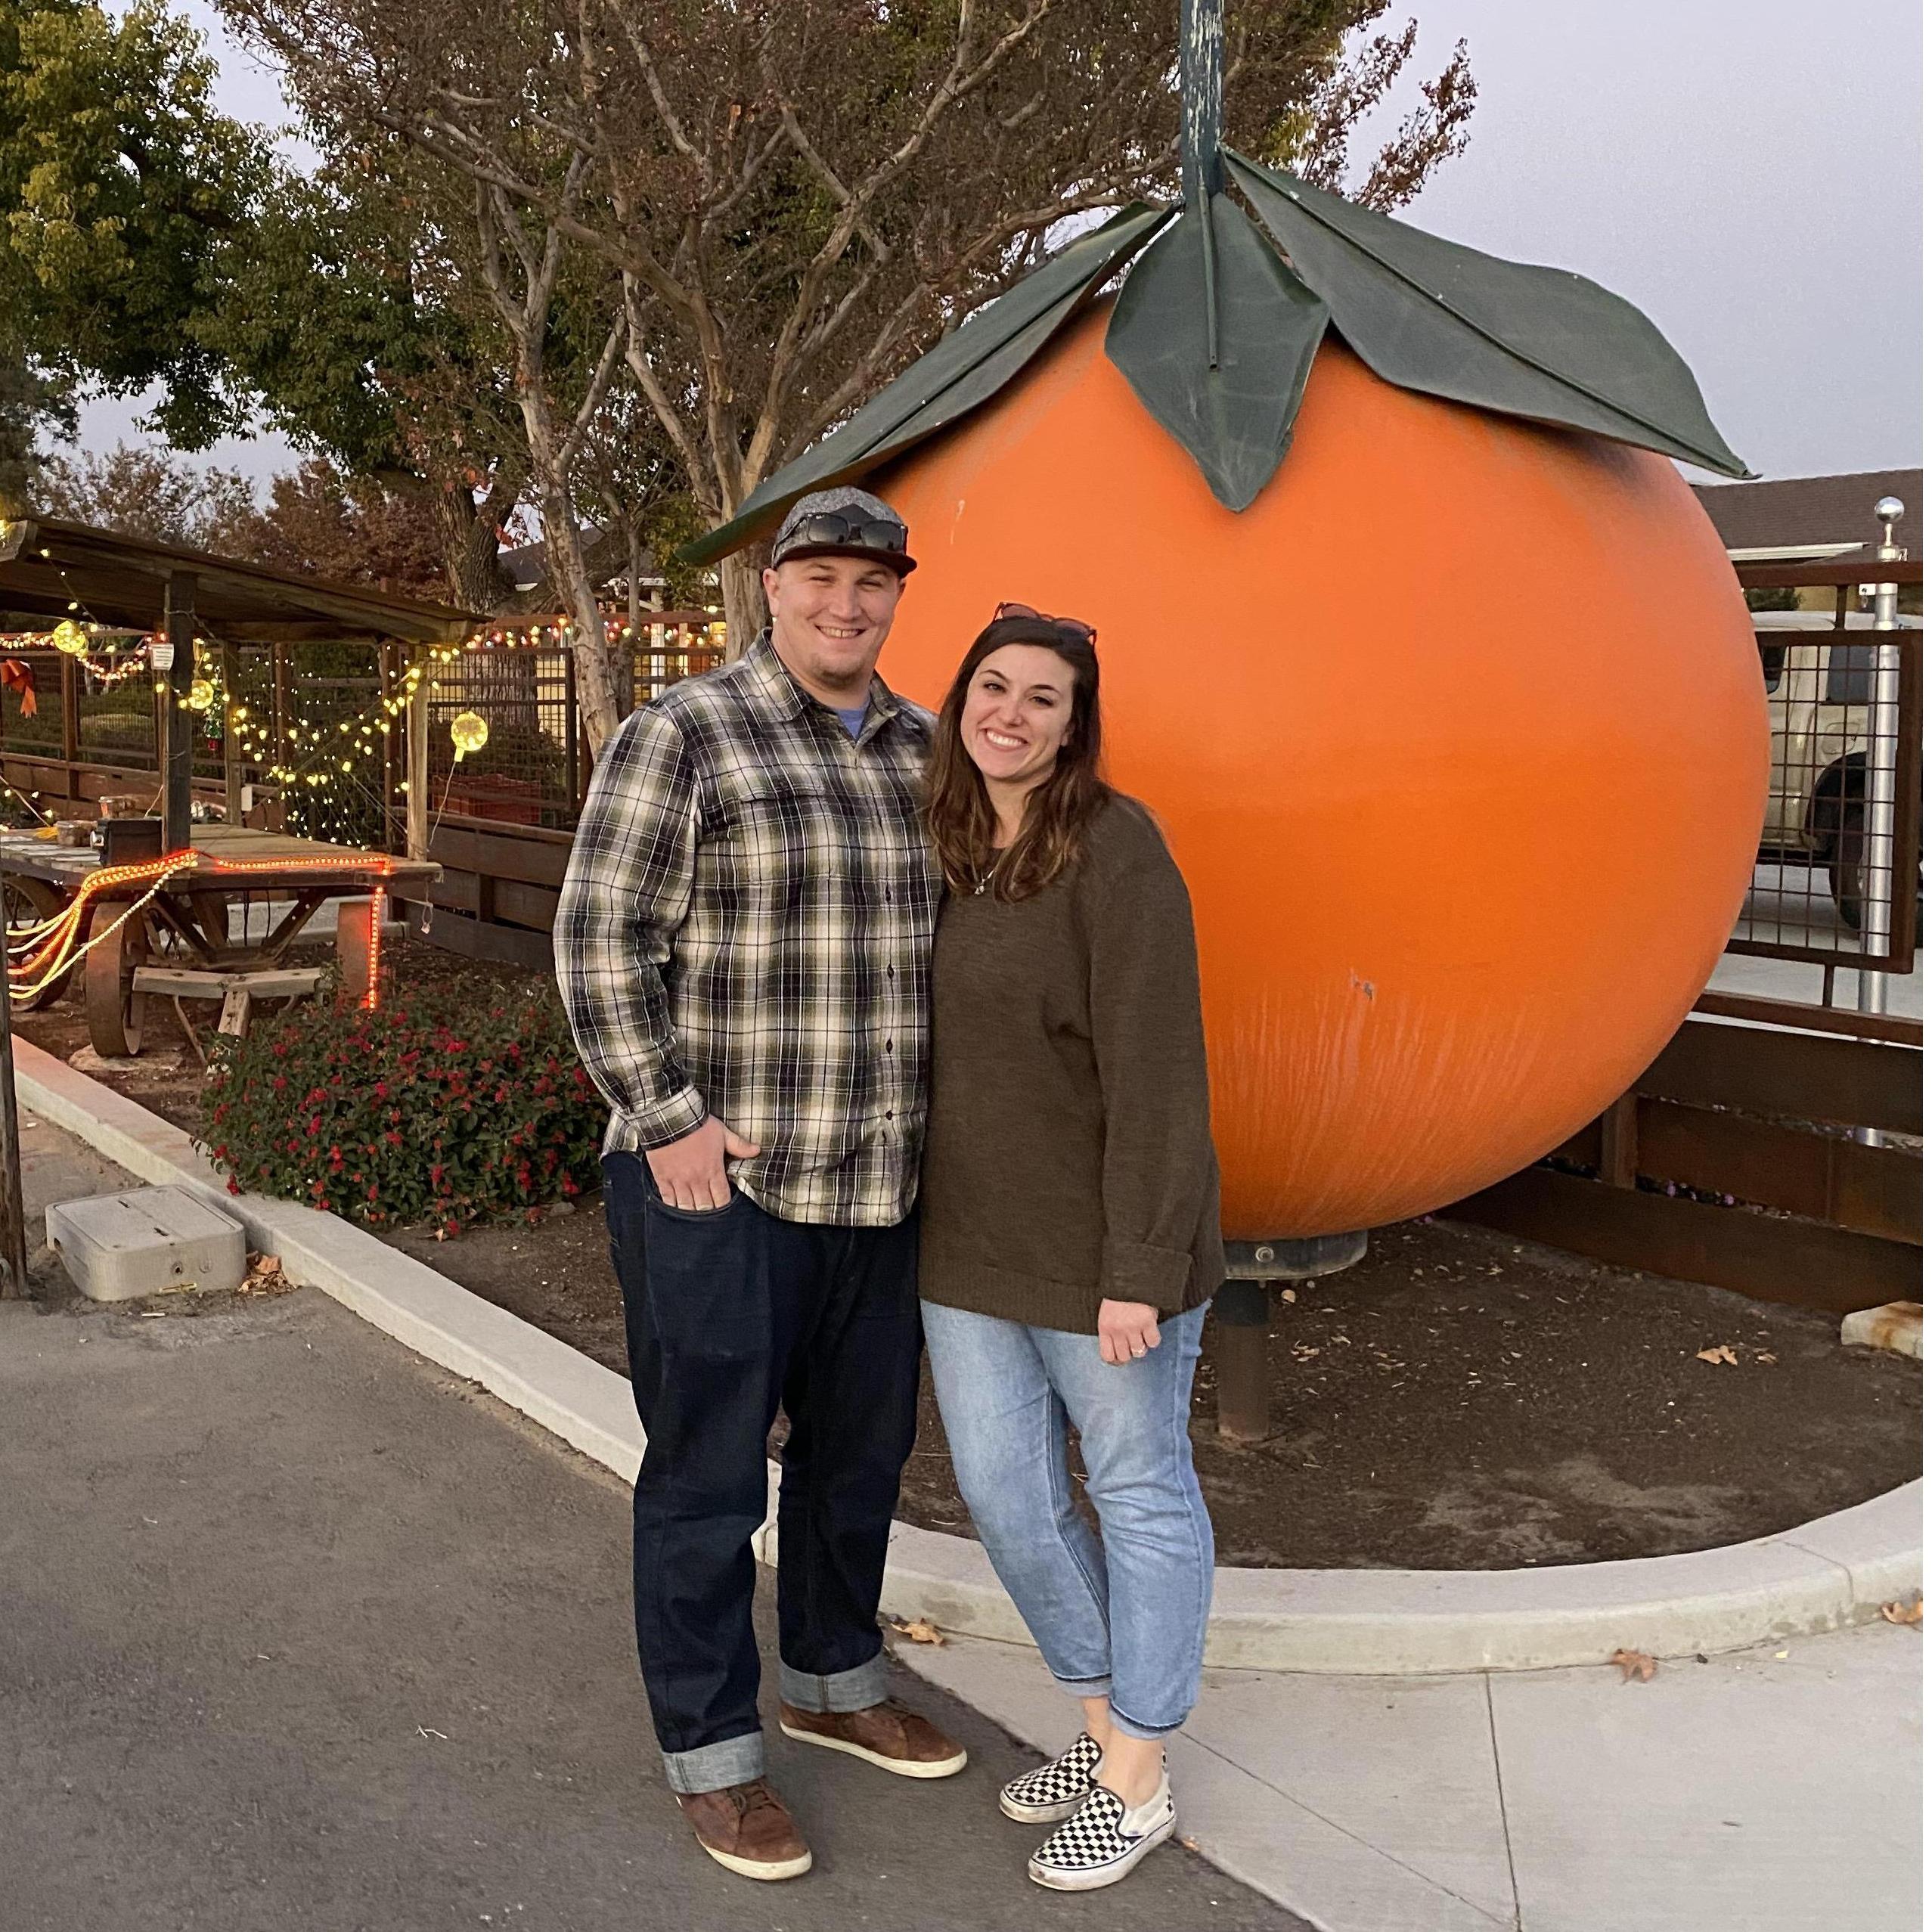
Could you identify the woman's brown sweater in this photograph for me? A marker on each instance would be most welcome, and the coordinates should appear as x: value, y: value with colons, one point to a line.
x: 1067, y: 1155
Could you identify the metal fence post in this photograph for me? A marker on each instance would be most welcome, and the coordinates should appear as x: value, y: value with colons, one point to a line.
x: 14, y: 1283
x: 573, y: 734
x: 1881, y: 770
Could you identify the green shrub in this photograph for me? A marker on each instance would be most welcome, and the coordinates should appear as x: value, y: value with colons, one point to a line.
x: 452, y: 1102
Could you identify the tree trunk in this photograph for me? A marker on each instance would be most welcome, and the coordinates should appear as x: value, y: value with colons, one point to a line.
x: 568, y: 567
x: 468, y: 531
x: 744, y: 602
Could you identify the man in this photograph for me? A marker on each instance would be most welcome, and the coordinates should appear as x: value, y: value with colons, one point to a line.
x: 743, y: 943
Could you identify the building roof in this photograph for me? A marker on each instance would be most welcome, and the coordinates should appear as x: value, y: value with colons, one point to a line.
x: 1815, y: 514
x: 527, y: 567
x: 50, y: 569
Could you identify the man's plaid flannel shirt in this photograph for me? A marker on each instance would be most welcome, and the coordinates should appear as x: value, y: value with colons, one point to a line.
x: 746, y: 930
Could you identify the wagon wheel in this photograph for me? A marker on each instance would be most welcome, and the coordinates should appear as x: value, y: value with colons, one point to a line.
x: 113, y: 1007
x: 29, y: 901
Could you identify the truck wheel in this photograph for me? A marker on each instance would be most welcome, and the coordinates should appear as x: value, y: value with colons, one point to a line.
x: 1845, y: 860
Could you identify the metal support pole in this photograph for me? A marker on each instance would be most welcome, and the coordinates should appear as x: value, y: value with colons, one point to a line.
x: 14, y: 1286
x: 1201, y: 36
x: 1241, y: 1308
x: 231, y: 735
x: 1876, y: 879
x: 174, y: 723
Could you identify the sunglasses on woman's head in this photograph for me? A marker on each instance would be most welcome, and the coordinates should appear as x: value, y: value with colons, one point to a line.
x: 1080, y: 633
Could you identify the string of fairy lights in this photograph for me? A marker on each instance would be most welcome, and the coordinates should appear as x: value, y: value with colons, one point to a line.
x: 297, y: 754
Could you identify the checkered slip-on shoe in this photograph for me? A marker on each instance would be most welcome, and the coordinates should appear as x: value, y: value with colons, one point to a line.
x: 1102, y: 1841
x: 1056, y: 1791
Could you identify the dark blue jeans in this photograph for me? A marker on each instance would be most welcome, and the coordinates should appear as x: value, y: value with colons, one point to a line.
x: 729, y: 1313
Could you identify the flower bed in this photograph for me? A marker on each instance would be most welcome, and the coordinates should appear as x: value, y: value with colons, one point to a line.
x: 450, y: 1103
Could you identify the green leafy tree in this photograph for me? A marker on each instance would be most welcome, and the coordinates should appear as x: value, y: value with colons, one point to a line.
x: 344, y: 314
x: 117, y: 180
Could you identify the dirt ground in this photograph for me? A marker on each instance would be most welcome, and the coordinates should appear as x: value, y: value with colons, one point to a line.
x: 1457, y: 1400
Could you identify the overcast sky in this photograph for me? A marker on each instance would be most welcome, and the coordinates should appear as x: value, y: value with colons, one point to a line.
x: 1747, y: 172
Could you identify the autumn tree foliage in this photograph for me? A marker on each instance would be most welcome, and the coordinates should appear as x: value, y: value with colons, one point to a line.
x: 318, y: 520
x: 751, y: 214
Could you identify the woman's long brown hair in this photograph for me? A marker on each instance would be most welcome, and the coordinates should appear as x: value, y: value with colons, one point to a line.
x: 960, y: 818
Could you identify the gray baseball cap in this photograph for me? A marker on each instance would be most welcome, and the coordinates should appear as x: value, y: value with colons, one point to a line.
x: 845, y: 522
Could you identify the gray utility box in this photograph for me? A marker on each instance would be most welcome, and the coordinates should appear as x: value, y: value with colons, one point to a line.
x: 117, y: 1247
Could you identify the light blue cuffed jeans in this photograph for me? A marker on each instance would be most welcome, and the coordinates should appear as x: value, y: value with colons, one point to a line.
x: 1123, y: 1616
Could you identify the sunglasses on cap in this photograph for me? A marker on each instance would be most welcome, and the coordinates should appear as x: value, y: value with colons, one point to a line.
x: 1071, y: 627
x: 832, y: 526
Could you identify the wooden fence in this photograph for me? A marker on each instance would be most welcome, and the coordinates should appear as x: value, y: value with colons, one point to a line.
x: 1785, y: 1164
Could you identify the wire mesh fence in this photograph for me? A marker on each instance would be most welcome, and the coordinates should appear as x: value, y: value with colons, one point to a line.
x: 1838, y: 880
x: 532, y: 768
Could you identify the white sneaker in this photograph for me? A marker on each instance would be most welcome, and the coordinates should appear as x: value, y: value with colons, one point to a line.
x: 1102, y: 1841
x: 1056, y: 1791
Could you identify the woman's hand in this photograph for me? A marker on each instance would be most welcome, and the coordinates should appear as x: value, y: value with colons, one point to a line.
x: 1127, y: 1330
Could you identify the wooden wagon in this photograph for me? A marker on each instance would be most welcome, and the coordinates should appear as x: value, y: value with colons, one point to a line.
x: 192, y: 933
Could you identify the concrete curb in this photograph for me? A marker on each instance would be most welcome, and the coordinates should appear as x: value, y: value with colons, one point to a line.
x: 1821, y: 1576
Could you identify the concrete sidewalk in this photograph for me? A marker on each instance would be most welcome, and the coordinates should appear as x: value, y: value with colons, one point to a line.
x: 1776, y: 1789
x: 440, y: 1588
x: 297, y: 1631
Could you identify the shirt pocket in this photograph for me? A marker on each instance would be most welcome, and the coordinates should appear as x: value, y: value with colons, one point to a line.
x: 781, y: 846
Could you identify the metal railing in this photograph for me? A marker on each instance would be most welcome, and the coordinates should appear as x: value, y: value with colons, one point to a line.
x: 534, y: 766
x: 1837, y: 883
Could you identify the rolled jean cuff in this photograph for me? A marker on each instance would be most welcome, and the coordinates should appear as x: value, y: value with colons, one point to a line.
x: 711, y: 1767
x: 857, y: 1689
x: 1129, y: 1727
x: 1085, y: 1686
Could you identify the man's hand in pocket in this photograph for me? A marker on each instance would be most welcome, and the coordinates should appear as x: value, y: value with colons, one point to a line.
x: 689, y: 1173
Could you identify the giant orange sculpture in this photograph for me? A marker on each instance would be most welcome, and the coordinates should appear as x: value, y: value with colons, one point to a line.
x: 1457, y: 732
x: 1430, y: 663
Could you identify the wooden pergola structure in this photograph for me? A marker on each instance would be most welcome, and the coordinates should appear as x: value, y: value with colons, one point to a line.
x: 50, y: 570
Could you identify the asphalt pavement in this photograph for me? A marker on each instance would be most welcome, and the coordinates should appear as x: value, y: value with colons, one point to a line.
x: 298, y: 1631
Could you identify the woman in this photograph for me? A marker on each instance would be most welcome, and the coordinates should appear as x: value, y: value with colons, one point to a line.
x: 1070, y: 1225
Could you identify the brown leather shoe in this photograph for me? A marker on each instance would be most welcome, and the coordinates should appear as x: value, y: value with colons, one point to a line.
x: 887, y: 1734
x: 748, y: 1830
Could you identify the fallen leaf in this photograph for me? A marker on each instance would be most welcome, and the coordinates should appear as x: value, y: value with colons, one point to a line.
x: 1288, y: 1294
x: 1723, y: 1352
x: 1903, y: 1613
x: 265, y: 1264
x: 1192, y: 1844
x: 918, y: 1631
x: 1635, y: 1664
x: 1764, y: 1355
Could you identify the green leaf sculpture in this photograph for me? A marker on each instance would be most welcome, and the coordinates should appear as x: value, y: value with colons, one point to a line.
x: 1429, y: 315
x: 1216, y: 327
x: 1223, y: 374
